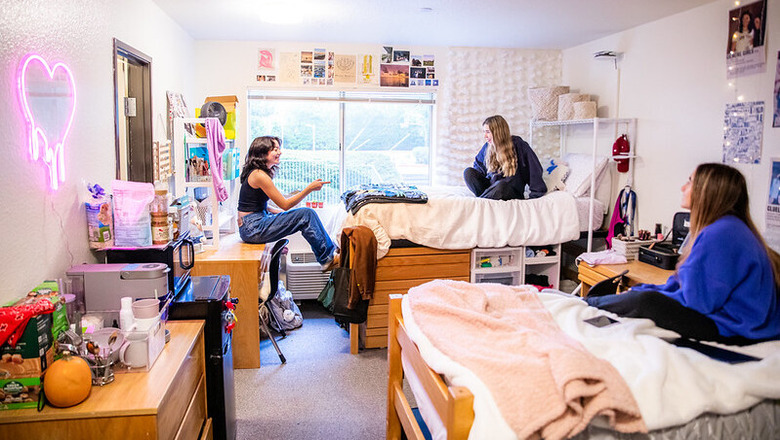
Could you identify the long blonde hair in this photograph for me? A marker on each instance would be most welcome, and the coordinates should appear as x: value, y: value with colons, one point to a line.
x: 718, y: 190
x: 501, y: 155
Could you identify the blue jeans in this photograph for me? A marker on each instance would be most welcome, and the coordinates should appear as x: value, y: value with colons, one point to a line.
x: 264, y: 227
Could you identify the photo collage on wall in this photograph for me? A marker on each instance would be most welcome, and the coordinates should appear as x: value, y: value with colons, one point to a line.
x: 401, y: 68
x: 321, y: 67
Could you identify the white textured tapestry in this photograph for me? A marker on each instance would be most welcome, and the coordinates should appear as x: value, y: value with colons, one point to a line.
x: 483, y: 82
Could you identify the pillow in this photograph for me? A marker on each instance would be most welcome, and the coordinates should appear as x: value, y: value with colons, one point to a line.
x: 580, y: 168
x: 554, y: 173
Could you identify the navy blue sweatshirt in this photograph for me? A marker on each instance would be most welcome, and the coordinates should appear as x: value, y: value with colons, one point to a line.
x: 529, y: 169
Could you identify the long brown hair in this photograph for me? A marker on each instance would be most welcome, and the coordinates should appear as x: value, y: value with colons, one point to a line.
x: 257, y: 154
x: 501, y: 155
x: 718, y: 190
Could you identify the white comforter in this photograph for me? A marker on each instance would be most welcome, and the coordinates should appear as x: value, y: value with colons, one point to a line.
x: 455, y: 219
x: 671, y: 385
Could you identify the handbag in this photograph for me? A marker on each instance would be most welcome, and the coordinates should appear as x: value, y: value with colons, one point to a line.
x: 341, y: 311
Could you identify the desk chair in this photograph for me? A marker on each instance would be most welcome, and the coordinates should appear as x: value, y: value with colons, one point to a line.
x: 273, y: 278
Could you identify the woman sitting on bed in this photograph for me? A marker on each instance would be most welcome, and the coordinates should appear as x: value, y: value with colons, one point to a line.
x: 725, y: 287
x: 504, y: 165
x: 257, y: 223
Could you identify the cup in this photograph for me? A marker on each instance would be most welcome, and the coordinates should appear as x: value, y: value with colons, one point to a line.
x: 146, y: 308
x: 145, y: 324
x: 135, y: 351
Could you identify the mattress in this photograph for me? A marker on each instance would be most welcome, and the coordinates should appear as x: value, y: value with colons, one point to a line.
x: 761, y: 421
x: 455, y: 219
x: 583, y: 208
x: 681, y: 393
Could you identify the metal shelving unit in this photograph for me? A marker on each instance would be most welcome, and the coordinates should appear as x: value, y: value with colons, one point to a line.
x: 629, y: 125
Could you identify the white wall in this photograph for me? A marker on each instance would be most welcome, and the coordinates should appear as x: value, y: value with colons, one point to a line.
x: 44, y: 232
x: 673, y: 79
x: 230, y: 68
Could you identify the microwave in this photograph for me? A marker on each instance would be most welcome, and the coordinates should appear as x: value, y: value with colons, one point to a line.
x: 178, y: 254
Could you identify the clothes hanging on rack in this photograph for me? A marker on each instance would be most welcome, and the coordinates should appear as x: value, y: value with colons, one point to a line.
x: 622, y: 222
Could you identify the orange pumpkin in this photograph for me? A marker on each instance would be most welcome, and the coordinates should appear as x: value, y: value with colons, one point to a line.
x: 67, y: 381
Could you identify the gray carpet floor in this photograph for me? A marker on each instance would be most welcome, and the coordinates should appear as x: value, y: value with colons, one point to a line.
x: 322, y: 392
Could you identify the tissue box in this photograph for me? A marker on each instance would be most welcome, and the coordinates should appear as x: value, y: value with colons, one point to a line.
x: 629, y: 248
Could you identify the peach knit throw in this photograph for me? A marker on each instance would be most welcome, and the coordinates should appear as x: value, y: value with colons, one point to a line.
x: 544, y: 383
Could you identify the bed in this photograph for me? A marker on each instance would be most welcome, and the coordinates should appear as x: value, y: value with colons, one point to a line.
x: 679, y: 392
x: 417, y: 243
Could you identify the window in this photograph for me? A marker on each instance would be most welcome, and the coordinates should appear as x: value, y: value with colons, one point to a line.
x: 386, y: 137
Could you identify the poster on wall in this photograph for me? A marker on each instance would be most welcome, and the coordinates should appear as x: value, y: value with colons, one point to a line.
x: 743, y: 128
x: 387, y: 54
x: 288, y: 67
x: 366, y: 68
x: 776, y: 118
x: 394, y: 75
x: 266, y: 60
x: 345, y: 69
x: 772, y: 233
x: 745, y: 53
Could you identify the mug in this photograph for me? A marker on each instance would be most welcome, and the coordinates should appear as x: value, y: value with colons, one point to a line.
x: 135, y: 351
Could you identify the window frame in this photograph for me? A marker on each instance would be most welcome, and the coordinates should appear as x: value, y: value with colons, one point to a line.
x: 344, y: 97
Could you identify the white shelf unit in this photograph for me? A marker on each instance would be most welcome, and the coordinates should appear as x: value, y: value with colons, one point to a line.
x: 509, y: 265
x: 222, y: 214
x: 629, y: 128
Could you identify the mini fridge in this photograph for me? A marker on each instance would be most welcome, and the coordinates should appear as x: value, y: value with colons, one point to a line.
x: 206, y: 298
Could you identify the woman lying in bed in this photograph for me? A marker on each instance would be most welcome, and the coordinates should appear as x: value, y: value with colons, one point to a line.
x: 725, y: 288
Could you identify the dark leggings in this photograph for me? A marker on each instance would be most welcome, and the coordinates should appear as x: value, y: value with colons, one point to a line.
x: 664, y: 311
x: 482, y: 187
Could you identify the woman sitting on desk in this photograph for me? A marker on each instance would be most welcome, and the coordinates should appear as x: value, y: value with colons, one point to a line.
x: 257, y: 223
x: 725, y: 288
x: 504, y: 165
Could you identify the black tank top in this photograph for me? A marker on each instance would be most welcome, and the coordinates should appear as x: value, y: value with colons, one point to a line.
x: 251, y: 199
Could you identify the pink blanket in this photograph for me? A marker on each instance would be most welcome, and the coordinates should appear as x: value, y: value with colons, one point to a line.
x: 544, y: 383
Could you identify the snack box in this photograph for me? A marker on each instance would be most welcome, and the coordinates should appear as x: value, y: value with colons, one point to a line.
x: 661, y: 255
x: 21, y: 366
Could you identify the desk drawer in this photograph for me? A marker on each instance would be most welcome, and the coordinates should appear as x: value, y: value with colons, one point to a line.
x: 177, y: 401
x: 195, y: 415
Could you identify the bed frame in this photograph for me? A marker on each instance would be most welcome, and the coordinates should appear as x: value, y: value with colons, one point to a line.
x: 454, y: 405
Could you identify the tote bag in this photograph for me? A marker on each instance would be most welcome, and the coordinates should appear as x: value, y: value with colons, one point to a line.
x: 341, y: 311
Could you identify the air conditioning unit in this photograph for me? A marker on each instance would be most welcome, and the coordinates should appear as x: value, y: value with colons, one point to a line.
x: 305, y: 278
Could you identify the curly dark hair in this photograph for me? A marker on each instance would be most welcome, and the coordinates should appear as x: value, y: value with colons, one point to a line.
x: 256, y: 156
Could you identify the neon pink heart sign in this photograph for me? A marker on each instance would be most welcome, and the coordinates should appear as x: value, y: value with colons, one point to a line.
x: 48, y: 100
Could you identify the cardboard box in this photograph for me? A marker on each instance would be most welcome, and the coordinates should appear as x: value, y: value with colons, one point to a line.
x: 22, y: 366
x: 230, y: 102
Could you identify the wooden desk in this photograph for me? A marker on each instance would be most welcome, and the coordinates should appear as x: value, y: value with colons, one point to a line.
x: 242, y: 261
x: 638, y: 273
x: 168, y: 402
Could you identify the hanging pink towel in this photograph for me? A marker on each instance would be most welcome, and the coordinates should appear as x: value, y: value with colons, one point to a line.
x: 215, y: 143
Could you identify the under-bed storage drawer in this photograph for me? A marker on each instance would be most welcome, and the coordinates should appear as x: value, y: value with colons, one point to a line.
x: 402, y: 269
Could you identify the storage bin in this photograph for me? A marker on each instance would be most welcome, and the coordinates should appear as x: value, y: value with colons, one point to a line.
x: 629, y: 248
